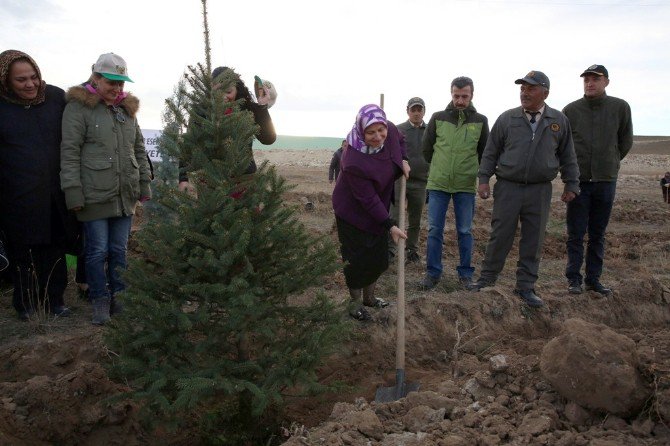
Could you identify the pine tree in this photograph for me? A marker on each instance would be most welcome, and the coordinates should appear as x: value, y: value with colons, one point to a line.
x: 217, y: 315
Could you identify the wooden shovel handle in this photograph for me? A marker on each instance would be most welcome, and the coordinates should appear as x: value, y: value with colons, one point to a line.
x: 400, y: 323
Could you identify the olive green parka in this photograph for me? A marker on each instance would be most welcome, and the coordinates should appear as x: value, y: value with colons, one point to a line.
x: 104, y: 168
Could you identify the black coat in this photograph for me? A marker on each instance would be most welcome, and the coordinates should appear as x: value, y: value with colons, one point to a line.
x: 32, y: 205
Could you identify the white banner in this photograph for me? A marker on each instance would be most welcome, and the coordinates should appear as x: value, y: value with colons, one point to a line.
x: 151, y: 144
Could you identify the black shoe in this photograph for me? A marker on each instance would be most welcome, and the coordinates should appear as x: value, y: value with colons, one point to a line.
x: 412, y: 257
x: 61, y: 311
x: 428, y: 283
x: 530, y: 298
x: 479, y: 284
x: 598, y: 288
x: 575, y: 287
x: 466, y: 282
x: 361, y: 314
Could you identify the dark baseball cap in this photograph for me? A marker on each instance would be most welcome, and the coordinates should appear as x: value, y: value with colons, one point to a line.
x: 534, y: 78
x: 598, y: 70
x: 415, y: 101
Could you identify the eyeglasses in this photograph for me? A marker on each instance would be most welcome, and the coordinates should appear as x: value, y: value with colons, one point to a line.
x: 118, y: 113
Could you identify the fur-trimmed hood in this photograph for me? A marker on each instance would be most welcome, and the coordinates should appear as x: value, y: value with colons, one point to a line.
x: 79, y: 93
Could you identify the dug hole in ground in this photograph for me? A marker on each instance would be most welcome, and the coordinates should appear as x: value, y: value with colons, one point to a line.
x: 583, y: 370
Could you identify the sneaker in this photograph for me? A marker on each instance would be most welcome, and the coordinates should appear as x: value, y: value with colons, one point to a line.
x: 575, y: 287
x: 412, y: 256
x: 466, y: 282
x: 529, y: 298
x: 377, y: 303
x: 479, y: 284
x: 428, y: 283
x: 598, y: 288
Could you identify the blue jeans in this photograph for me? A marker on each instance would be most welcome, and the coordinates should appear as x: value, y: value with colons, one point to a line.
x: 106, y: 244
x: 464, y: 209
x: 588, y: 212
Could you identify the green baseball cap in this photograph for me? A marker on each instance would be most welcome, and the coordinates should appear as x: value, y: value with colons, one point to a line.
x: 112, y: 67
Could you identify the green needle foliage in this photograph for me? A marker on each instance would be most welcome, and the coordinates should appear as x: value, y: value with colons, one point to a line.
x: 221, y: 314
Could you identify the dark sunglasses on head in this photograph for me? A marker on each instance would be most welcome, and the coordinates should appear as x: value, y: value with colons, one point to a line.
x: 118, y: 113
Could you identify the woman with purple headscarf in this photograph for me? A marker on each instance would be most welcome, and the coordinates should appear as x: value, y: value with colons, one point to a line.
x: 375, y: 158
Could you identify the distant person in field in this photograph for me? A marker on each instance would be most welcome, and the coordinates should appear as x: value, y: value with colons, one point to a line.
x: 453, y: 146
x: 665, y: 187
x: 603, y: 133
x: 374, y: 159
x: 334, y: 168
x: 267, y: 95
x: 415, y: 194
x: 526, y: 149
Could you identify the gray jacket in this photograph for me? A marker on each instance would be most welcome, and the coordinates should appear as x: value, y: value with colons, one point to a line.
x: 413, y: 137
x: 515, y: 154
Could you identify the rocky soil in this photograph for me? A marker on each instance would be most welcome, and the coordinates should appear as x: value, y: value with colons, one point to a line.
x: 584, y: 370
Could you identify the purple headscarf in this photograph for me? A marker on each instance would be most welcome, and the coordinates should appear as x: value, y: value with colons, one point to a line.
x: 367, y: 115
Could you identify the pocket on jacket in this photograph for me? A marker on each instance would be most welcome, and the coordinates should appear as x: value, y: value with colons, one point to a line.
x: 98, y: 179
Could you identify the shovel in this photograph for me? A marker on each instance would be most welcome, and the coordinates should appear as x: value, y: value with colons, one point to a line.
x: 401, y: 388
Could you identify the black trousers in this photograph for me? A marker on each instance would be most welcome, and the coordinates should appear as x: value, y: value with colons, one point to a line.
x: 589, y: 213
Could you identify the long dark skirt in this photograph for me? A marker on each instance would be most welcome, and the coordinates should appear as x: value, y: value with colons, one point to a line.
x: 365, y: 254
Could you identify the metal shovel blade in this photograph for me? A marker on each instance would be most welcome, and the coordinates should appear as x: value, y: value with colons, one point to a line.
x: 400, y: 390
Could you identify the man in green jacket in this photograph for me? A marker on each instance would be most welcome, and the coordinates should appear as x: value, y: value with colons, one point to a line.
x: 603, y: 133
x: 527, y: 147
x: 413, y: 130
x: 453, y: 145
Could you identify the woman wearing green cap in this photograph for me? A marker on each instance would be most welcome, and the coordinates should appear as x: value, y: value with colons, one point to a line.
x: 104, y: 172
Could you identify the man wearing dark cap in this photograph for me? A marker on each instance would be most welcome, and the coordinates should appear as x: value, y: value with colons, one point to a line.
x: 453, y: 145
x: 527, y: 147
x: 415, y: 193
x: 603, y: 133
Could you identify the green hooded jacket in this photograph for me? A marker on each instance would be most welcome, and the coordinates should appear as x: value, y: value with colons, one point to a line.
x: 453, y: 145
x: 104, y: 168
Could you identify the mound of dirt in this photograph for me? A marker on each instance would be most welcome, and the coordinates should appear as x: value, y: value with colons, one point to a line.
x: 596, y: 368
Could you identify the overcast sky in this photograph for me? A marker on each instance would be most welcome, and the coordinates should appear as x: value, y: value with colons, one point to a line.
x: 327, y: 59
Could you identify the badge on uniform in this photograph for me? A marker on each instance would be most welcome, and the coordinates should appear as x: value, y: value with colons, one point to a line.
x: 555, y: 127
